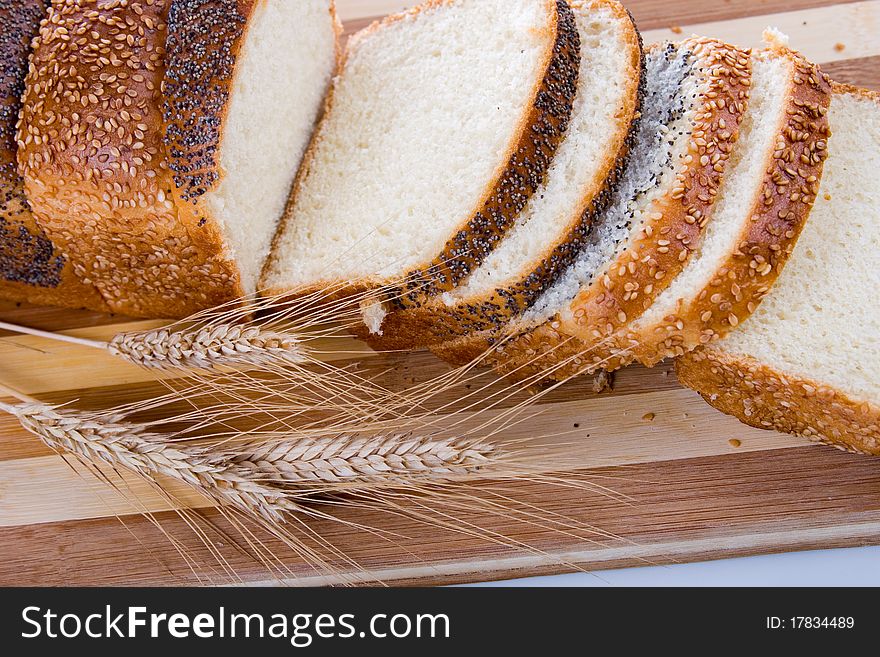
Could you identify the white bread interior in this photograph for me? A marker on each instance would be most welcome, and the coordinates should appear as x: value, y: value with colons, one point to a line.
x: 742, y: 182
x: 579, y: 166
x: 821, y: 320
x: 284, y: 68
x: 423, y: 113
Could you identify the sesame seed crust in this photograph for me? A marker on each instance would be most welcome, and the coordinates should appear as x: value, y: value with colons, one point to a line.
x: 766, y: 398
x: 97, y: 169
x: 32, y: 268
x: 583, y: 340
x: 434, y: 322
x: 777, y: 216
x: 528, y: 160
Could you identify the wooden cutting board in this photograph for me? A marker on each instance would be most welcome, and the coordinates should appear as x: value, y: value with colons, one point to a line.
x: 688, y: 483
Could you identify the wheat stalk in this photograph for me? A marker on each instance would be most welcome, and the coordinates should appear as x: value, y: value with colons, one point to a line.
x: 385, y: 460
x: 202, y: 347
x: 207, y: 347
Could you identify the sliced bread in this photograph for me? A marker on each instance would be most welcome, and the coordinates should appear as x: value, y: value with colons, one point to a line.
x: 548, y: 234
x: 32, y: 267
x: 697, y: 93
x: 441, y: 125
x: 808, y: 359
x: 159, y: 140
x: 762, y: 206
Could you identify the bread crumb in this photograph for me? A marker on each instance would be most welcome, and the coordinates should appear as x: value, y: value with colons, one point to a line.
x: 649, y: 417
x: 675, y: 29
x: 373, y: 314
x: 603, y: 382
x: 827, y: 197
x: 734, y: 442
x: 839, y: 47
x: 773, y: 37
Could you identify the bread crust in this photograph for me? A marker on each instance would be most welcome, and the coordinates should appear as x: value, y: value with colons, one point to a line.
x: 778, y: 214
x: 32, y: 268
x: 436, y: 322
x: 583, y: 340
x: 205, y: 38
x: 767, y: 398
x: 120, y: 141
x: 93, y: 154
x: 525, y: 164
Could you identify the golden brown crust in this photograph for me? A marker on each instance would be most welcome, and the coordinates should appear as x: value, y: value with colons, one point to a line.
x: 468, y: 349
x: 778, y: 214
x: 32, y: 268
x: 434, y: 322
x: 564, y: 347
x: 93, y: 153
x: 764, y: 397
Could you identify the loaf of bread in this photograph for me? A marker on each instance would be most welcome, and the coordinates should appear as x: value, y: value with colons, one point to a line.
x: 32, y: 267
x: 697, y: 93
x: 807, y: 360
x: 548, y: 234
x: 441, y: 125
x: 159, y: 140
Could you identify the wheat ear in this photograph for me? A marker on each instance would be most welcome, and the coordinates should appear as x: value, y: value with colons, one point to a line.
x: 385, y: 460
x: 255, y: 477
x: 207, y: 347
x: 202, y: 347
x: 131, y: 446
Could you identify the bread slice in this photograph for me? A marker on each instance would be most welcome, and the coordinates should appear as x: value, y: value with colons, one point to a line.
x: 548, y: 234
x: 761, y: 208
x: 442, y: 123
x: 808, y: 359
x: 32, y: 267
x: 697, y: 93
x: 159, y: 141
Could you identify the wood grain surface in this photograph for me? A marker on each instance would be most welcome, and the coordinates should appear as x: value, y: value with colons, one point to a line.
x: 660, y: 478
